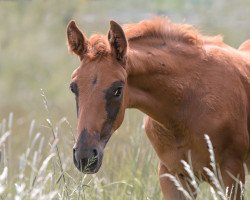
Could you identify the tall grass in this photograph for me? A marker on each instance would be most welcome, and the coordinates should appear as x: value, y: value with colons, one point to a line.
x: 129, y: 171
x: 217, y: 189
x: 45, y: 168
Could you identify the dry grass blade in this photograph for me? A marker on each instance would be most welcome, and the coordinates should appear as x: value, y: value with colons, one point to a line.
x: 190, y: 172
x: 177, y: 184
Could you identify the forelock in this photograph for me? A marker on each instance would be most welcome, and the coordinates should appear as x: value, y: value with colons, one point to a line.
x: 98, y: 46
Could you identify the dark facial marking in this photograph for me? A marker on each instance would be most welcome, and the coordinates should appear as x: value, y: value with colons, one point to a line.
x: 77, y: 106
x: 82, y: 137
x: 106, y: 132
x: 74, y: 88
x: 85, y: 137
x: 113, y: 102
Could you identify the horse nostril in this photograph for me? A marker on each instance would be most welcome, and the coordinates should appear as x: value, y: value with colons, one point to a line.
x: 95, y: 152
x: 75, y: 159
x: 74, y: 154
x: 86, y: 159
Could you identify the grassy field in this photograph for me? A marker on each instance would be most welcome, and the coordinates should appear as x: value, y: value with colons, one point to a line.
x: 45, y: 170
x: 36, y: 140
x: 40, y: 167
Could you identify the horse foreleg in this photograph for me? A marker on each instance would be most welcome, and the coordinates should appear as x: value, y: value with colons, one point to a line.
x: 233, y: 176
x: 169, y: 190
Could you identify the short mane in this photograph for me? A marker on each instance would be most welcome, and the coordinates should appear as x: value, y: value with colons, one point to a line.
x: 158, y: 27
x: 162, y: 27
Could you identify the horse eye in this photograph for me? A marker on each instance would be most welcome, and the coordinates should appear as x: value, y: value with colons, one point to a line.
x: 118, y: 92
x: 73, y: 87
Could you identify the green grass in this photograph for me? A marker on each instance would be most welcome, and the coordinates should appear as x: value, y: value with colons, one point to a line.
x: 44, y: 168
x: 42, y: 172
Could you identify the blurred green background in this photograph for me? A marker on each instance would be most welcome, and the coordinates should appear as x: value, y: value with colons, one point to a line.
x: 33, y: 55
x: 33, y: 52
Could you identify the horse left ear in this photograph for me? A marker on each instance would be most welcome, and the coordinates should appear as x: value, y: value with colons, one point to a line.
x: 118, y: 42
x: 77, y: 42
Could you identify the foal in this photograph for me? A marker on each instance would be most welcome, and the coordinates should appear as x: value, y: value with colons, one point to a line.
x: 187, y: 84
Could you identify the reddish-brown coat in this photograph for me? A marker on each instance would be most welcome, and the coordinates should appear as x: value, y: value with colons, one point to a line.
x: 187, y: 84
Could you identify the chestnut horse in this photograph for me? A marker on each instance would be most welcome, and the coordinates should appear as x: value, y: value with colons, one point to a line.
x: 187, y: 84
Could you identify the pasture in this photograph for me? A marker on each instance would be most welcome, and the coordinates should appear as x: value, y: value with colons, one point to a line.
x: 37, y: 126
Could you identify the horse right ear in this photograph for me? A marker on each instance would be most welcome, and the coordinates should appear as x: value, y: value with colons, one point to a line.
x: 77, y: 42
x: 118, y: 42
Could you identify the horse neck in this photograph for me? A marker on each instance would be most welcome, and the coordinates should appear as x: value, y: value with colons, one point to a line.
x: 156, y: 78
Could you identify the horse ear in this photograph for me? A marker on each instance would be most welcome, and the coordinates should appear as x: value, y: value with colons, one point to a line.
x: 77, y: 42
x: 118, y: 42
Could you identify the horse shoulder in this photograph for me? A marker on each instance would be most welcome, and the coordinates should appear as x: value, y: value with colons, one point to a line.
x: 169, y: 149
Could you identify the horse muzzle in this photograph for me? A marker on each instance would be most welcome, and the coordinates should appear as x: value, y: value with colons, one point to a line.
x: 87, y: 160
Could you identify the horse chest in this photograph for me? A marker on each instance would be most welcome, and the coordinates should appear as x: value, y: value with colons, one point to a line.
x: 171, y: 149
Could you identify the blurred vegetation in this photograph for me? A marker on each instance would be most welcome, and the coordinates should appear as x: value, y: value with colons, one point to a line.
x: 33, y: 51
x: 33, y: 55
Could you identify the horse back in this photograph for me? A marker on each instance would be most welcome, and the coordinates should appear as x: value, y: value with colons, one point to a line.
x: 245, y: 49
x: 245, y: 46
